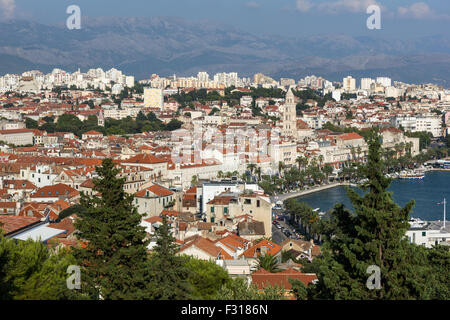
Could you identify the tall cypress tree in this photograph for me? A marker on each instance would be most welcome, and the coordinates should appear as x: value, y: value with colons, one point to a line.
x: 169, y: 272
x: 115, y: 260
x: 374, y: 234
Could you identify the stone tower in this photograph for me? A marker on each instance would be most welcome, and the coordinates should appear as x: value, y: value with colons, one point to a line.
x: 101, y: 119
x: 290, y: 116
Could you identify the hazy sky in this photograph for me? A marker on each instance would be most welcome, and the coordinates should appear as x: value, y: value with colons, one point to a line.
x: 399, y: 18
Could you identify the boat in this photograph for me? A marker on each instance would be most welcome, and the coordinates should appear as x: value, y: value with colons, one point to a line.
x: 416, y: 223
x: 414, y: 175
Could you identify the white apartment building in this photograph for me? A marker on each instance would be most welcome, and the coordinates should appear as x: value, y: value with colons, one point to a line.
x: 366, y: 82
x: 428, y: 123
x: 246, y: 101
x: 384, y: 81
x: 18, y: 137
x: 211, y: 189
x: 349, y: 84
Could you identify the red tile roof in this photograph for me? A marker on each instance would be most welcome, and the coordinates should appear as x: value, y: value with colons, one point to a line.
x: 271, y: 248
x: 208, y: 247
x: 262, y: 278
x: 54, y: 191
x: 10, y: 224
x: 156, y: 189
x: 145, y: 158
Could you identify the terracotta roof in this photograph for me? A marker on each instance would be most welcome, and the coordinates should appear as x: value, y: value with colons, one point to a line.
x: 156, y: 189
x: 208, y: 247
x: 271, y: 248
x: 153, y: 219
x: 64, y: 224
x: 349, y: 136
x: 262, y: 278
x: 11, y: 224
x: 221, y: 200
x: 145, y: 158
x: 234, y: 241
x: 18, y: 184
x: 54, y: 191
x: 93, y: 132
x: 170, y: 213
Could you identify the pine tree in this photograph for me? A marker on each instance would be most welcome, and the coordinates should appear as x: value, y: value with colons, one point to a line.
x: 29, y: 271
x: 115, y: 260
x: 169, y: 273
x: 374, y: 234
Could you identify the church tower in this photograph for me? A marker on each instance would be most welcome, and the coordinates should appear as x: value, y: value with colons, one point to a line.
x: 101, y: 119
x: 290, y: 116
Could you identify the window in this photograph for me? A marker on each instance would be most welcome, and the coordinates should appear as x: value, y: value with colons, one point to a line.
x: 258, y: 203
x: 248, y: 201
x: 212, y: 209
x: 424, y: 234
x: 225, y: 210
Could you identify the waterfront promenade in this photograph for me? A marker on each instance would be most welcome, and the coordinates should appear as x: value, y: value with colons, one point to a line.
x: 285, y: 196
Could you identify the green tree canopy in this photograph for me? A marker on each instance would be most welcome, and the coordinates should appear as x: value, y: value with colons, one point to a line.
x: 114, y: 263
x: 374, y: 234
x: 29, y: 271
x: 169, y: 273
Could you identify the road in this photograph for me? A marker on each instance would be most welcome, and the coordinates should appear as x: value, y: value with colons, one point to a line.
x: 277, y: 235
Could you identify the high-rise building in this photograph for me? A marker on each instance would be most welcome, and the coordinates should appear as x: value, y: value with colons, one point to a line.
x: 349, y: 84
x: 203, y: 77
x: 129, y: 81
x: 153, y: 98
x: 366, y: 82
x: 384, y: 81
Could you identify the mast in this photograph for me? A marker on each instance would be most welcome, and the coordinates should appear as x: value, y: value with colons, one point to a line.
x: 444, y: 213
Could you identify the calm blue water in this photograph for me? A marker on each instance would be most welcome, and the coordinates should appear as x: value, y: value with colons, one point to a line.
x: 426, y: 193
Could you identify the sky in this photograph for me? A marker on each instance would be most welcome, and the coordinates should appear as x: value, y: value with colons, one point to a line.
x: 399, y: 18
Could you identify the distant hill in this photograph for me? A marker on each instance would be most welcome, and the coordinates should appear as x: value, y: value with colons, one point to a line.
x: 163, y: 45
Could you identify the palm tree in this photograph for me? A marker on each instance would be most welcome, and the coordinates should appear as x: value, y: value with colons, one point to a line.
x: 258, y: 172
x: 320, y: 160
x: 251, y: 167
x: 301, y: 161
x: 267, y: 262
x: 220, y: 174
x: 327, y: 170
x: 281, y: 166
x: 353, y: 152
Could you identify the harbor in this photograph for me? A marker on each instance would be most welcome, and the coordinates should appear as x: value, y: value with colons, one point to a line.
x: 426, y: 193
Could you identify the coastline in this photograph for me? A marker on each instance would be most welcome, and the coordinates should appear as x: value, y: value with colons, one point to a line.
x: 285, y: 196
x: 296, y: 194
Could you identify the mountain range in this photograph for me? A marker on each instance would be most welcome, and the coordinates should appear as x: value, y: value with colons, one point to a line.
x: 168, y: 45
